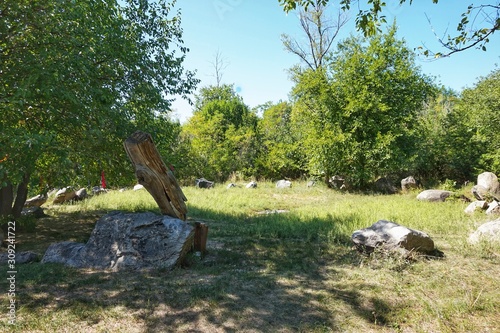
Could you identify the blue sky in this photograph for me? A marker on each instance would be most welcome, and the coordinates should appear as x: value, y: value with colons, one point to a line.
x: 246, y: 34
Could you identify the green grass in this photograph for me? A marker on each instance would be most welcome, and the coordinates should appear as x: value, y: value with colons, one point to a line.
x: 289, y: 272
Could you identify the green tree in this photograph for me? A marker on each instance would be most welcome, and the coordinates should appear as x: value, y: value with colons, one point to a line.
x: 281, y: 155
x: 362, y: 111
x: 77, y: 78
x: 445, y: 146
x: 222, y: 134
x: 469, y: 35
x: 481, y: 104
x: 313, y: 117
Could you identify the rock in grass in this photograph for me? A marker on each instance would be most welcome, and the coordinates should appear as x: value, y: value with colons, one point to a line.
x: 64, y: 195
x: 21, y: 257
x: 203, y: 183
x: 489, y: 231
x: 138, y: 187
x: 81, y: 194
x: 252, y: 184
x: 489, y: 181
x: 434, y: 195
x: 283, y: 184
x: 493, y: 208
x: 391, y: 235
x: 36, y: 201
x: 34, y: 211
x: 473, y: 206
x: 408, y: 184
x: 122, y: 241
x: 384, y: 185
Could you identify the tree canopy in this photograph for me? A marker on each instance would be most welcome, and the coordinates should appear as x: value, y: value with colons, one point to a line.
x: 77, y: 78
x: 221, y: 133
x: 360, y: 110
x: 474, y: 30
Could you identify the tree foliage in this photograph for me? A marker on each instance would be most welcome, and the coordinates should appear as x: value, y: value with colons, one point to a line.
x: 481, y: 104
x: 361, y: 112
x: 446, y: 149
x: 477, y: 25
x: 459, y: 135
x: 77, y: 78
x: 221, y: 133
x: 281, y: 154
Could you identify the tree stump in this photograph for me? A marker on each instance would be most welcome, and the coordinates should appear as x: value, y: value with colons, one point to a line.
x: 152, y: 173
x: 200, y: 237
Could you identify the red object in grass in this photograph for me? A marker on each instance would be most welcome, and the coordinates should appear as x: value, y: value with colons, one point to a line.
x: 103, y: 180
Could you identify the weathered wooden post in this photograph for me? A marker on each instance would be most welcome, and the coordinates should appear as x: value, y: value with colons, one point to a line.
x: 200, y: 237
x: 160, y: 182
x: 153, y: 174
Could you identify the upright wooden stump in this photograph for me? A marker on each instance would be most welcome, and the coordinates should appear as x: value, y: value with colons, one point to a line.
x: 200, y: 237
x: 153, y: 174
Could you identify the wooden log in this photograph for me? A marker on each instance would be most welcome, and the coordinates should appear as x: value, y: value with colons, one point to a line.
x: 152, y: 173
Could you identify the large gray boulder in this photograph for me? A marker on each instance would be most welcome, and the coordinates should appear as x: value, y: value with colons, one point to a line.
x: 127, y: 241
x: 390, y: 235
x: 433, y: 195
x: 489, y: 231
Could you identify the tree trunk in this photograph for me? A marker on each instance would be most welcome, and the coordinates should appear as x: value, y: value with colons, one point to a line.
x: 21, y: 196
x: 9, y: 206
x: 6, y: 199
x: 152, y: 173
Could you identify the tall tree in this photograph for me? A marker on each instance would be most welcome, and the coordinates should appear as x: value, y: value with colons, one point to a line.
x: 320, y: 32
x: 76, y: 79
x: 475, y: 29
x: 481, y: 104
x: 222, y: 134
x: 445, y: 148
x: 281, y: 155
x: 219, y: 65
x: 362, y: 111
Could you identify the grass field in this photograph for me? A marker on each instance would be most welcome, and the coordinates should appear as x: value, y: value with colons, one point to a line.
x: 266, y: 272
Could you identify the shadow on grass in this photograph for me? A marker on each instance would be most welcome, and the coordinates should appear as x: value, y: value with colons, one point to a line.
x: 261, y: 273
